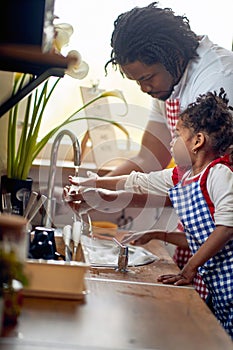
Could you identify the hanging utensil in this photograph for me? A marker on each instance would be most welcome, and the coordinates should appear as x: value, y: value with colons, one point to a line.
x: 36, y: 207
x: 30, y: 204
x: 124, y: 221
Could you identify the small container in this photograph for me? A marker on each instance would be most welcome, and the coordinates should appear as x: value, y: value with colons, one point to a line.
x: 43, y: 245
x: 13, y: 235
x: 56, y: 279
x: 13, y: 250
x: 104, y: 229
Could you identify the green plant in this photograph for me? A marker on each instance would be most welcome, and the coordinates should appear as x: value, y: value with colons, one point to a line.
x: 21, y: 154
x: 11, y: 269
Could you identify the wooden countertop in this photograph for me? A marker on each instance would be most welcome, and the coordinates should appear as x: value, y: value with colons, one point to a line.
x: 121, y: 311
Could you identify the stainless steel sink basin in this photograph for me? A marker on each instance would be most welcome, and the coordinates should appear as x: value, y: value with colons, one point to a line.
x: 104, y: 253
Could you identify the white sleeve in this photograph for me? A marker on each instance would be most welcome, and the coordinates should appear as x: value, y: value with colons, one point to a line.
x: 220, y: 189
x: 156, y: 182
x: 158, y: 111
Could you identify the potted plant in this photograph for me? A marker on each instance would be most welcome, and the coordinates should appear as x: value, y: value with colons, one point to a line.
x: 13, y: 248
x: 12, y: 280
x: 21, y: 153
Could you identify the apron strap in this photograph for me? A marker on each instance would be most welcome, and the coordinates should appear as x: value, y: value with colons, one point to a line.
x: 222, y: 160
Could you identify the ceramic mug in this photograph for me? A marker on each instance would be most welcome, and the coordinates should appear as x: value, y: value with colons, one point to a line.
x: 43, y: 245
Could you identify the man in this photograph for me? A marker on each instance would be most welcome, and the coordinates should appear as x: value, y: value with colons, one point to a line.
x: 158, y: 50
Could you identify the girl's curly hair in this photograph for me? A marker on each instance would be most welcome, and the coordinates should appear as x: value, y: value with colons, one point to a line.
x: 212, y: 115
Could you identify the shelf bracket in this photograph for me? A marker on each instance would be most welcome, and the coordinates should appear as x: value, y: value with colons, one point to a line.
x: 13, y: 100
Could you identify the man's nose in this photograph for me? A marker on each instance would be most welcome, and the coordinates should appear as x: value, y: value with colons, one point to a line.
x: 145, y: 87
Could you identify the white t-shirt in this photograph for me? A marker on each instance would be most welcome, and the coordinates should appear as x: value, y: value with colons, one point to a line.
x: 219, y: 186
x: 210, y: 71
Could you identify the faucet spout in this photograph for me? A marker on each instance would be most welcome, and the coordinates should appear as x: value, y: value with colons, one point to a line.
x: 49, y: 216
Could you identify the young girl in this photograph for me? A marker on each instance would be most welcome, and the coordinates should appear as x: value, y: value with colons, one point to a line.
x: 202, y: 197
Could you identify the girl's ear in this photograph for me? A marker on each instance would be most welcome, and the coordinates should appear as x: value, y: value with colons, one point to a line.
x: 198, y: 142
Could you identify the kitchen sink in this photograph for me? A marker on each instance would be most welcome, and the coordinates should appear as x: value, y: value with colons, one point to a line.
x: 105, y: 253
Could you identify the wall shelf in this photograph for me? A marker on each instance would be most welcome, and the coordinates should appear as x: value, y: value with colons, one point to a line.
x: 30, y: 59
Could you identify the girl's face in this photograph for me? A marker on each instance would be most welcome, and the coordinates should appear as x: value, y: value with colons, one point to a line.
x: 182, y: 145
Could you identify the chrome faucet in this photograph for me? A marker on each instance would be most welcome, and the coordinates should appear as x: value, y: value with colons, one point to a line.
x: 49, y: 215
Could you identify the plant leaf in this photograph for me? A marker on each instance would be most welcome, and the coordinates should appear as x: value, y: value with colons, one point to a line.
x: 29, y: 146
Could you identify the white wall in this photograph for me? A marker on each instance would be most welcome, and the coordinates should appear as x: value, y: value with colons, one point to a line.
x: 93, y: 25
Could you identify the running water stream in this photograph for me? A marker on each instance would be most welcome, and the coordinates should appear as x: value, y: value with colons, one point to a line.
x: 84, y: 218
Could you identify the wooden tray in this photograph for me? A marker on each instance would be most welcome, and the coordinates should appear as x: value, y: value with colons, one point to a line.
x: 57, y: 278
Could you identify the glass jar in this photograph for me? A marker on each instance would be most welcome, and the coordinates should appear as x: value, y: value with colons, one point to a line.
x: 13, y: 253
x: 13, y: 236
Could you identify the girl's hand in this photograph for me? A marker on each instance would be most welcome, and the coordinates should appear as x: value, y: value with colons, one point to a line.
x: 84, y: 199
x: 89, y: 181
x: 75, y: 200
x: 144, y: 238
x: 184, y: 277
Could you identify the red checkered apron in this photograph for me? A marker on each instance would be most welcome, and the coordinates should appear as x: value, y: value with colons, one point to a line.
x: 172, y: 112
x: 181, y: 255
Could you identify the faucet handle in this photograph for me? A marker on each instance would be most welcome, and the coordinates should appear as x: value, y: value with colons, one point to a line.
x: 122, y: 257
